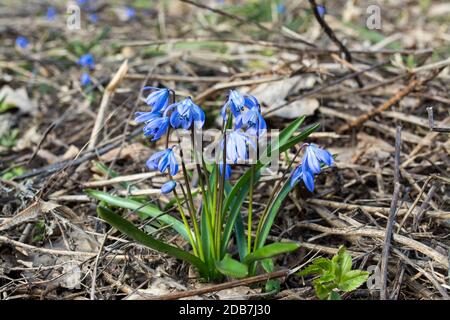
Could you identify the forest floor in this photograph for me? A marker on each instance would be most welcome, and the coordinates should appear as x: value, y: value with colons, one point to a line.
x: 54, y: 246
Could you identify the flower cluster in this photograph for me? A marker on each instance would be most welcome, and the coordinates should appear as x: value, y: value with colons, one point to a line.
x: 186, y: 114
x: 159, y: 119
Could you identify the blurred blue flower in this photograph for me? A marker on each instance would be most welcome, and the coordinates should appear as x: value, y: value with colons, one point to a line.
x: 237, y: 143
x: 312, y: 160
x: 82, y: 2
x: 51, y: 13
x: 184, y: 113
x: 87, y: 61
x: 85, y: 79
x: 281, y: 8
x: 158, y: 99
x: 22, y: 42
x: 156, y: 127
x: 227, y: 170
x: 93, y: 17
x: 321, y: 10
x: 162, y: 160
x: 130, y: 12
x: 168, y: 187
x: 253, y: 121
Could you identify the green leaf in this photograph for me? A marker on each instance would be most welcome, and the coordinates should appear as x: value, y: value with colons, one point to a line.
x: 334, y: 296
x: 352, y: 280
x: 147, y: 210
x: 322, y: 291
x: 235, y: 203
x: 327, y: 277
x: 272, y: 213
x: 231, y: 267
x: 268, y: 265
x: 342, y: 262
x: 271, y: 250
x: 318, y: 266
x: 287, y: 132
x: 272, y: 285
x: 299, y: 138
x: 241, y: 241
x: 134, y: 233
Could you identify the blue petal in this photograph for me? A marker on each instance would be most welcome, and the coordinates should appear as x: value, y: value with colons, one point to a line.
x: 323, y: 155
x: 152, y: 162
x: 308, y: 179
x: 173, y: 164
x: 227, y: 171
x: 311, y: 161
x: 164, y: 162
x: 175, y: 119
x: 85, y: 79
x: 168, y: 187
x: 199, y: 116
x: 321, y: 10
x: 145, y: 116
x: 158, y: 99
x: 296, y: 175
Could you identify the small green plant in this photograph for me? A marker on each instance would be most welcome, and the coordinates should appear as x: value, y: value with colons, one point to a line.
x: 211, y: 223
x: 335, y: 275
x: 14, y: 172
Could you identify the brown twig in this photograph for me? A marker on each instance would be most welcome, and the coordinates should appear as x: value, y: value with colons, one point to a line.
x: 330, y: 33
x: 109, y: 91
x: 395, y: 99
x: 220, y: 287
x: 242, y: 20
x: 431, y: 122
x: 391, y: 219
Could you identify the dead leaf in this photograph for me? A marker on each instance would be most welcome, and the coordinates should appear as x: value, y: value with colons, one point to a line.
x: 128, y: 151
x: 72, y: 276
x: 237, y: 293
x: 29, y: 214
x: 274, y: 94
x: 304, y: 107
x: 18, y: 98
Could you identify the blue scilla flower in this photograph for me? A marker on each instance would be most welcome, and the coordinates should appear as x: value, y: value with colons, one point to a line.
x: 168, y: 187
x: 87, y: 61
x: 85, y: 79
x: 312, y: 160
x: 281, y: 8
x: 162, y: 160
x: 253, y: 121
x: 158, y: 99
x: 227, y: 170
x: 237, y: 143
x: 235, y: 103
x: 22, y: 42
x: 51, y: 13
x: 184, y: 113
x: 130, y: 12
x: 238, y: 102
x: 321, y: 10
x: 93, y: 17
x: 156, y: 127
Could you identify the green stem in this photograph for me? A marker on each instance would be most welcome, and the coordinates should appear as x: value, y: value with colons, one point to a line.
x: 186, y: 224
x: 250, y: 210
